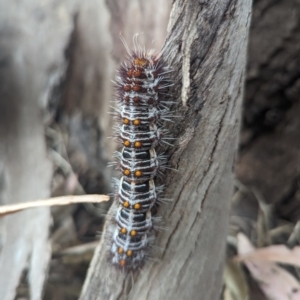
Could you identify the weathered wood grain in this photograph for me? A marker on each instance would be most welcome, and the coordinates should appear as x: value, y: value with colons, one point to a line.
x: 206, y: 46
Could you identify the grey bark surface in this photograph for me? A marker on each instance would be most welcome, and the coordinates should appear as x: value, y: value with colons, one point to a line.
x: 206, y: 47
x: 31, y: 60
x: 270, y: 136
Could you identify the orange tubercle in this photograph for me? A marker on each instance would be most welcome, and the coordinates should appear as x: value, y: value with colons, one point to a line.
x: 126, y: 143
x: 137, y: 73
x: 140, y: 62
x: 123, y: 230
x: 137, y: 144
x: 130, y: 73
x: 126, y: 172
x: 136, y: 88
x: 133, y: 232
x: 127, y: 88
x: 137, y: 206
x: 122, y: 262
x: 136, y: 122
x: 138, y: 173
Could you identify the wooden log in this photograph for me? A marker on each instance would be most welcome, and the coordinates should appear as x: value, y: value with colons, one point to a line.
x: 206, y: 47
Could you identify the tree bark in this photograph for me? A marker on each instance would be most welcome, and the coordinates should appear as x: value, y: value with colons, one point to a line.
x: 270, y: 137
x: 206, y: 47
x: 31, y: 60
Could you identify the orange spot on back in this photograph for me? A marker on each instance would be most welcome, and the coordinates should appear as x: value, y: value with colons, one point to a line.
x: 129, y: 73
x: 126, y: 121
x: 137, y: 206
x: 126, y: 172
x: 137, y: 73
x: 138, y: 173
x: 137, y: 144
x: 126, y: 204
x: 120, y: 250
x: 127, y: 88
x: 129, y: 252
x: 136, y: 122
x: 136, y: 88
x: 123, y: 230
x: 141, y: 62
x: 133, y: 232
x: 126, y: 143
x: 122, y: 262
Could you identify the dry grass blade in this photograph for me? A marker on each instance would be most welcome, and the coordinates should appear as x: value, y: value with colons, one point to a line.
x: 236, y: 287
x: 65, y: 200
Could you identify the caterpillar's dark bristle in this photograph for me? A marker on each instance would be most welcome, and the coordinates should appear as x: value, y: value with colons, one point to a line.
x: 141, y: 84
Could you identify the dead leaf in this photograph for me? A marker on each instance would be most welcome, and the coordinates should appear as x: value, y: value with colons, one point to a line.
x: 275, y: 282
x: 276, y: 253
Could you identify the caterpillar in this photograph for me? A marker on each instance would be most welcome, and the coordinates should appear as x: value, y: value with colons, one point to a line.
x: 142, y: 83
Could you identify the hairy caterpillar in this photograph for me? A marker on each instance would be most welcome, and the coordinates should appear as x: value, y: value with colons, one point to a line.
x: 142, y: 84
